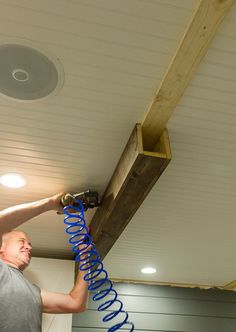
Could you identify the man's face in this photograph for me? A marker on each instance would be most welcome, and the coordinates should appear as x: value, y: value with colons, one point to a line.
x: 16, y: 249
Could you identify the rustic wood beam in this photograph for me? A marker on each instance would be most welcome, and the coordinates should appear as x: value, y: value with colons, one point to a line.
x: 147, y: 153
x: 191, y: 50
x: 136, y: 173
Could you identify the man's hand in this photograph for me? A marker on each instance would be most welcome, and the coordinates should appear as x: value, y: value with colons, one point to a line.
x: 55, y: 202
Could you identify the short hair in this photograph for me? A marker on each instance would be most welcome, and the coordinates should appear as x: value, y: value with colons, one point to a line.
x: 5, y: 234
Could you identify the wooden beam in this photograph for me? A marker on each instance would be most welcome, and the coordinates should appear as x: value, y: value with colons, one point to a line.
x: 161, y: 283
x: 134, y: 176
x: 230, y: 286
x: 189, y: 54
x: 147, y: 153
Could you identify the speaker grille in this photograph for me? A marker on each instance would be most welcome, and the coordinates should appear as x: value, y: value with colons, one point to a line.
x: 26, y: 73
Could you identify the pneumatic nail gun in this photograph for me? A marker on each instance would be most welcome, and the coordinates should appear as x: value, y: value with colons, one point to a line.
x: 89, y: 199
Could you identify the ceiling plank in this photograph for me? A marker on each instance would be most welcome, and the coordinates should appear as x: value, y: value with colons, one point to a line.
x: 134, y: 176
x: 191, y: 50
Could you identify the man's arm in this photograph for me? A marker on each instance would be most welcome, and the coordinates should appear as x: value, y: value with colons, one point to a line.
x: 74, y: 302
x: 13, y: 217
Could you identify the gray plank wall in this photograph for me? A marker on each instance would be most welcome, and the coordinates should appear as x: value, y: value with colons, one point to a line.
x: 163, y: 308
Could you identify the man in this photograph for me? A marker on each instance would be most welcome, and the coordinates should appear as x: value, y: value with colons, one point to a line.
x: 22, y: 303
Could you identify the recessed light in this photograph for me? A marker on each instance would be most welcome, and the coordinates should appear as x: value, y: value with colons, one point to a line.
x: 12, y: 180
x: 148, y: 270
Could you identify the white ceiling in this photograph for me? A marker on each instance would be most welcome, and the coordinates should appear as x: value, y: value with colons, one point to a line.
x: 114, y: 54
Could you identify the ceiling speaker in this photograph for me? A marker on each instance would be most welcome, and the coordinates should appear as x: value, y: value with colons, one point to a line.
x: 26, y: 73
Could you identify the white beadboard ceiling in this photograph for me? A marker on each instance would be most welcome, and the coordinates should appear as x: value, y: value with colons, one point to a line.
x: 114, y: 54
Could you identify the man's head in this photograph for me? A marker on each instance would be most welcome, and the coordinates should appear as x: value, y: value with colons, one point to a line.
x: 16, y: 249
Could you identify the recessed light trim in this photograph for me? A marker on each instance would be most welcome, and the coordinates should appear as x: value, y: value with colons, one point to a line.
x: 148, y: 270
x: 12, y: 180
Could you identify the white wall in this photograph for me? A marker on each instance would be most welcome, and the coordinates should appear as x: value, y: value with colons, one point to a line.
x: 53, y: 275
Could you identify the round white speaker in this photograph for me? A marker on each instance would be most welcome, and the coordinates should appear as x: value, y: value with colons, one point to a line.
x: 26, y: 73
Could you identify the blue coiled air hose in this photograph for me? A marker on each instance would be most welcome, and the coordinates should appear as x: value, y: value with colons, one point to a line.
x: 90, y: 261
